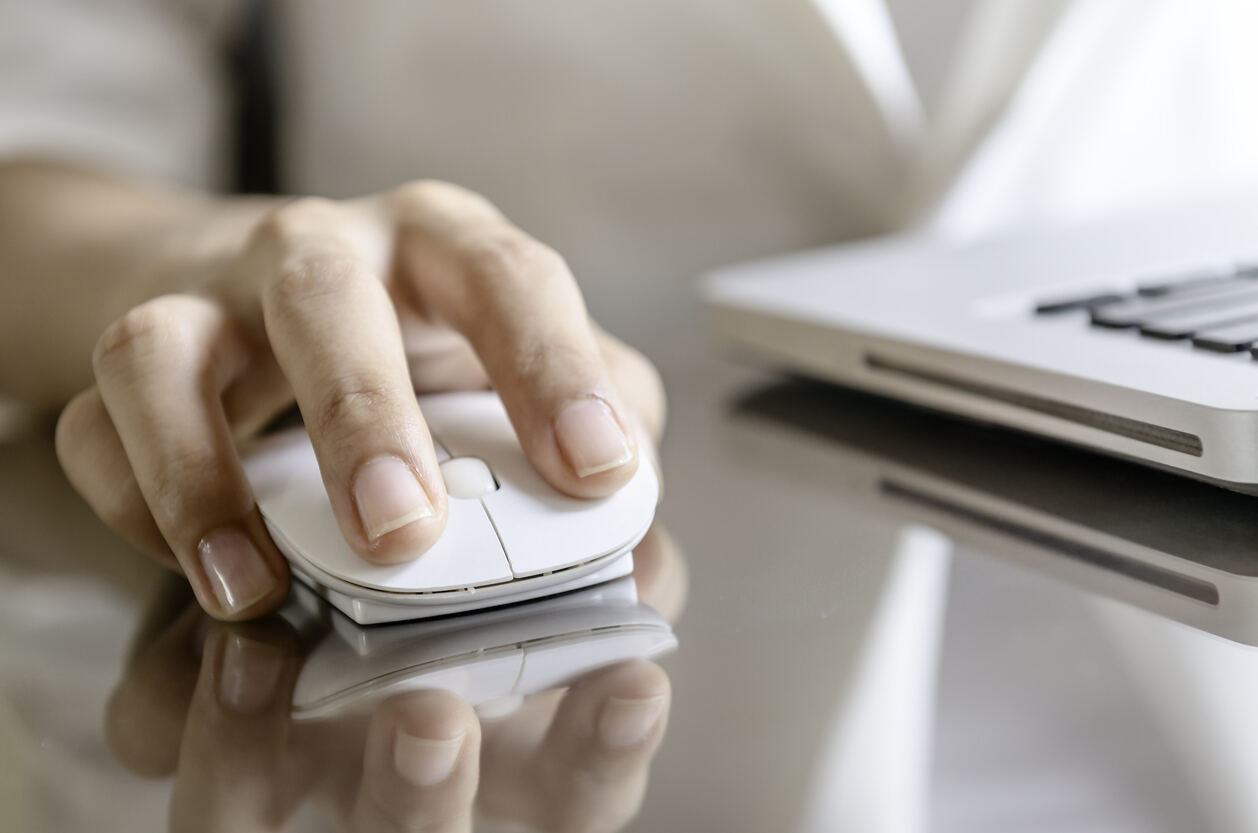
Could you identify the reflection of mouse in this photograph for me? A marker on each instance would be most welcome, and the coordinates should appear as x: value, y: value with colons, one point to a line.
x: 491, y: 659
x: 510, y: 536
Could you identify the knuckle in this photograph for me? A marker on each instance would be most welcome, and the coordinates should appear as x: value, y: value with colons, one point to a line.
x: 295, y: 219
x: 349, y: 405
x: 423, y: 192
x: 306, y: 278
x: 150, y: 329
x: 178, y: 487
x: 512, y: 259
x: 424, y: 195
x: 534, y: 361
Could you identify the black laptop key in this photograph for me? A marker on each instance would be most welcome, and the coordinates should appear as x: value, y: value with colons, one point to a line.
x: 1189, y: 283
x: 1056, y: 305
x: 1230, y: 339
x: 1187, y: 324
x: 1138, y: 312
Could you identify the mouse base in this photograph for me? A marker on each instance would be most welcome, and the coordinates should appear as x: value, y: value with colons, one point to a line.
x: 492, y: 659
x: 374, y: 612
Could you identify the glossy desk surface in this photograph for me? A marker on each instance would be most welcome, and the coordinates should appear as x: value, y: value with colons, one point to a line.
x: 842, y: 666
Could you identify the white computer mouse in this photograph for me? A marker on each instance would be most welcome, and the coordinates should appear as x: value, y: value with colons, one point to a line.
x: 492, y: 659
x: 510, y: 536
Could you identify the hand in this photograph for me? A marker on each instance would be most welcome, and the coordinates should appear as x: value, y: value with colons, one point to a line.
x: 347, y: 308
x: 209, y: 704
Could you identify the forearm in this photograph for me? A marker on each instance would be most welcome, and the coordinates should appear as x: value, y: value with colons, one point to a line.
x: 79, y: 249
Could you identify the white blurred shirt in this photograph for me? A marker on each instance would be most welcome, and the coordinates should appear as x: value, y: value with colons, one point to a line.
x: 652, y: 139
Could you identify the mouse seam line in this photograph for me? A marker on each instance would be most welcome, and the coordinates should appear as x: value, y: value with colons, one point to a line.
x: 501, y: 543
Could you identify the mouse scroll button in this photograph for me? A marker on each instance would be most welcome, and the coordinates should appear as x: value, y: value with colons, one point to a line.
x: 500, y: 707
x: 468, y: 478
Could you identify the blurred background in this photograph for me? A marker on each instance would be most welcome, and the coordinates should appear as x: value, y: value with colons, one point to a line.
x: 652, y: 141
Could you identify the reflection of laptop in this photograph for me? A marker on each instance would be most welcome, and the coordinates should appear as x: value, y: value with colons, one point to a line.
x: 1176, y: 547
x: 1131, y: 337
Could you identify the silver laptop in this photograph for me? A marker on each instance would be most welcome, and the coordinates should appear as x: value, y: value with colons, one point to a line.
x: 1135, y: 336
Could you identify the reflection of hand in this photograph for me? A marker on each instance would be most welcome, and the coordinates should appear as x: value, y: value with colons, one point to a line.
x: 210, y: 703
x: 344, y: 308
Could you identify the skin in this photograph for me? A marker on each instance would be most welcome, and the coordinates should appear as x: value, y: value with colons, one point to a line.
x: 208, y: 704
x: 170, y: 326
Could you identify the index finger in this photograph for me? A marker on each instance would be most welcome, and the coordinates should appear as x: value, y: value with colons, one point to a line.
x: 518, y: 304
x: 334, y: 332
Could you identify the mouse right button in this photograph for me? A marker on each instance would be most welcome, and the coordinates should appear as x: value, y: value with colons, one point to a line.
x: 542, y: 530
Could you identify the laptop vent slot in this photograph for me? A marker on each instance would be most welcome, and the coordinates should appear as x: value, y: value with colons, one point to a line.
x: 1135, y: 429
x: 1178, y: 583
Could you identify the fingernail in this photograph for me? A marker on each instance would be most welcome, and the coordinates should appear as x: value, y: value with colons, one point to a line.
x: 238, y: 575
x: 424, y: 761
x: 389, y: 497
x: 249, y: 674
x: 627, y: 722
x: 590, y: 438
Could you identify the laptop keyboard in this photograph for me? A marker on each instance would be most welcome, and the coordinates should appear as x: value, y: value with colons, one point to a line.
x: 1215, y: 310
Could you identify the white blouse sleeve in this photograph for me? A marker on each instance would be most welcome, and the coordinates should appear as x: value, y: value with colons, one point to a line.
x: 133, y: 86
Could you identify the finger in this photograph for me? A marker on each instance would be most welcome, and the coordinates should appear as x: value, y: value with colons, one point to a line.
x: 231, y: 772
x: 443, y: 360
x: 96, y: 465
x: 643, y: 391
x: 660, y: 572
x: 334, y: 331
x: 161, y: 370
x: 421, y: 765
x: 637, y: 380
x: 590, y: 770
x: 605, y: 733
x: 254, y: 400
x: 518, y: 304
x: 145, y: 715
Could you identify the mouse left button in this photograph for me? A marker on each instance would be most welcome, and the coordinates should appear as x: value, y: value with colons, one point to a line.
x: 295, y: 505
